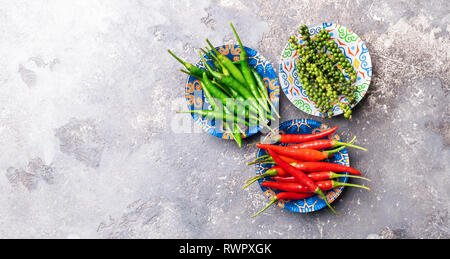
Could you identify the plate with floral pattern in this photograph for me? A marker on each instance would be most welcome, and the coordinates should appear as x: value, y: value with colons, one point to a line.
x: 314, y: 203
x: 353, y: 48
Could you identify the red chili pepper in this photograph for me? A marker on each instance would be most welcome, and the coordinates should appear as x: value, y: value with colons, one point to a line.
x: 285, y: 196
x: 297, y: 138
x: 310, y: 155
x: 277, y: 171
x: 324, y: 166
x: 268, y: 159
x: 289, y: 160
x: 316, y: 145
x: 325, y: 144
x: 317, y: 176
x: 284, y: 179
x: 274, y: 171
x: 301, y: 188
x: 308, y: 167
x: 300, y: 176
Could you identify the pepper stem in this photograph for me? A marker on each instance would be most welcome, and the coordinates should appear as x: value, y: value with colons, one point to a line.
x: 338, y: 184
x: 179, y: 112
x: 261, y: 157
x: 243, y: 53
x: 271, y: 172
x: 214, y: 73
x: 331, y: 152
x: 255, y: 162
x: 251, y: 182
x: 338, y: 143
x: 177, y: 58
x: 204, y: 62
x: 267, y: 161
x: 265, y: 156
x: 268, y: 205
x: 212, y: 47
x: 186, y: 72
x: 320, y: 192
x: 217, y: 62
x: 334, y: 175
x: 209, y: 53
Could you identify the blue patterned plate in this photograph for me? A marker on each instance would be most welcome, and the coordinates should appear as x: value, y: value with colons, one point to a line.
x: 354, y: 49
x: 197, y: 100
x: 315, y: 203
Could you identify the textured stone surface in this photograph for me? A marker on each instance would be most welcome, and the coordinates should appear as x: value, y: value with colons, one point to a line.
x: 89, y: 143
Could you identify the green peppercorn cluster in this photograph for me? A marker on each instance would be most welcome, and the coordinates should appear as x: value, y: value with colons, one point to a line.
x: 321, y: 67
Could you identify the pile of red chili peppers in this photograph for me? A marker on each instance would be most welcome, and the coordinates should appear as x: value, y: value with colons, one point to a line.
x: 299, y: 170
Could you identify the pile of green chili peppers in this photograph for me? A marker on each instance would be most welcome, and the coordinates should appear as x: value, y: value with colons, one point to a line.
x: 236, y: 92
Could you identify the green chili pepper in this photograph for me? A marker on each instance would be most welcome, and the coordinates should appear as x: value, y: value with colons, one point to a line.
x: 234, y: 84
x: 224, y: 89
x: 243, y: 113
x: 239, y: 100
x: 245, y: 68
x: 263, y: 88
x: 234, y: 71
x: 216, y: 88
x: 260, y: 82
x: 229, y: 93
x: 230, y: 105
x: 226, y: 101
x: 209, y: 96
x: 233, y: 134
x: 238, y: 87
x: 218, y: 115
x: 263, y: 100
x: 217, y: 64
x: 236, y: 131
x: 232, y: 93
x: 191, y: 68
x: 237, y: 136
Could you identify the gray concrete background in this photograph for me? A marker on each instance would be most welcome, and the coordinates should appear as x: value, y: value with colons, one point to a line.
x: 88, y: 147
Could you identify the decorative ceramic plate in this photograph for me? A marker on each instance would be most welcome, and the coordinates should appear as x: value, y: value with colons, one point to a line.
x: 314, y: 203
x: 350, y: 44
x: 197, y: 100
